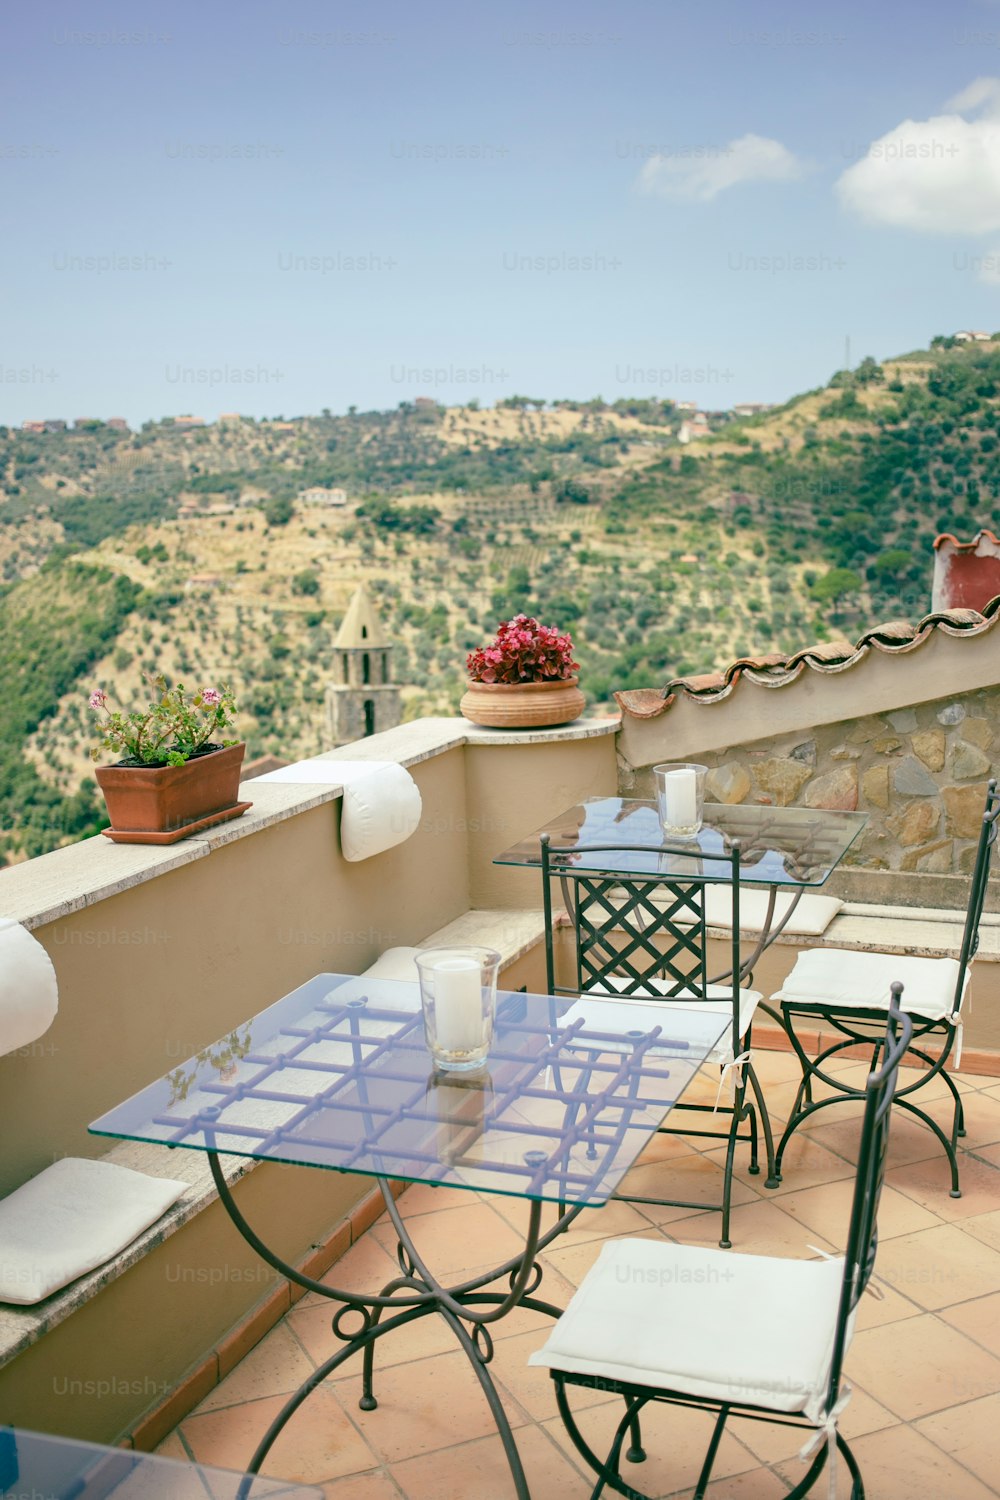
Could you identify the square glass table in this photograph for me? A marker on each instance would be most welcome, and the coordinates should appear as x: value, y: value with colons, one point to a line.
x: 779, y: 846
x: 37, y: 1466
x: 337, y: 1075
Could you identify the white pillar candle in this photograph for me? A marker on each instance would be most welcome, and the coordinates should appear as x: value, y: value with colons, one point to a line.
x: 680, y: 796
x: 458, y: 1004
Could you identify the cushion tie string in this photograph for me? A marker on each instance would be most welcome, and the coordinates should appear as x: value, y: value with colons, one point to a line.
x: 734, y: 1079
x: 871, y: 1289
x: 826, y: 1430
x: 956, y: 1020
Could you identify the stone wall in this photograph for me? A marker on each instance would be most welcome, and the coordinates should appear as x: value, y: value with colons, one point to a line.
x: 919, y: 773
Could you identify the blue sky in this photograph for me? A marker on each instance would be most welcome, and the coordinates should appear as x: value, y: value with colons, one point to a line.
x: 275, y: 208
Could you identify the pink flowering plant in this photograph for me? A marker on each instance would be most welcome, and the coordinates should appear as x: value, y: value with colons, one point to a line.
x: 173, y: 727
x: 524, y: 651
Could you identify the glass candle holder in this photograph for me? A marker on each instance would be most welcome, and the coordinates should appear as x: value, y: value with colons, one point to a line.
x: 680, y: 798
x: 458, y: 993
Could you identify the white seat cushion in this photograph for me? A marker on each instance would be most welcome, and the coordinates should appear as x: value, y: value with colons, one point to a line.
x: 748, y: 1328
x: 845, y: 978
x: 71, y: 1218
x: 630, y: 1013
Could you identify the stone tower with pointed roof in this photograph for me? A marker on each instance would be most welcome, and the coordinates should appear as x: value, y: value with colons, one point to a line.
x: 361, y: 699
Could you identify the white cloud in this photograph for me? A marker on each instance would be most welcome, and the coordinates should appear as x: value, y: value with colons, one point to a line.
x: 702, y: 173
x: 940, y: 175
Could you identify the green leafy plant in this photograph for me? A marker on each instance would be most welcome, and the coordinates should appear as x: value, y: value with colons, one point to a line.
x: 170, y: 730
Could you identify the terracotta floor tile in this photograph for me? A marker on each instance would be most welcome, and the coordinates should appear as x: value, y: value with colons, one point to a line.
x: 456, y: 1239
x: 920, y: 1366
x: 425, y: 1198
x: 969, y: 1434
x: 366, y: 1267
x: 985, y: 1227
x: 900, y: 1464
x: 840, y: 1133
x: 274, y: 1367
x: 692, y: 1177
x: 776, y: 1067
x: 979, y: 1320
x: 806, y: 1163
x: 575, y: 1261
x: 424, y: 1406
x: 758, y: 1484
x: 479, y: 1471
x: 319, y: 1442
x: 758, y: 1228
x: 611, y: 1220
x: 929, y: 1183
x: 939, y: 1267
x: 675, y: 1441
x: 982, y: 1119
x: 172, y: 1447
x: 827, y: 1210
x: 376, y: 1485
x: 531, y: 1386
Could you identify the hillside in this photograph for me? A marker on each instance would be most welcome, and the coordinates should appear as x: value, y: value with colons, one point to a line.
x: 660, y: 558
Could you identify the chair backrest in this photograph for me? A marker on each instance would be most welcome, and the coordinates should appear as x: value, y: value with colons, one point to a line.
x: 980, y: 881
x: 862, y: 1239
x: 632, y: 927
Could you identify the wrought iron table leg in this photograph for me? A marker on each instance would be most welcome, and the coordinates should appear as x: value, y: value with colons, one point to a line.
x: 459, y: 1305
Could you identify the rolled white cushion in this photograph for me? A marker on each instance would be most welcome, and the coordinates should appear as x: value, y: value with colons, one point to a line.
x: 379, y: 811
x: 381, y: 804
x: 741, y: 1328
x: 843, y: 977
x: 72, y: 1217
x: 29, y: 996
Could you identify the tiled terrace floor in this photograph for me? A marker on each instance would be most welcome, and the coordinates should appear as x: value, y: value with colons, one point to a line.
x: 923, y: 1420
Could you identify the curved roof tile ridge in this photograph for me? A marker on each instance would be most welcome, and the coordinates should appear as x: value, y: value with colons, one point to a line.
x: 776, y: 669
x: 948, y: 536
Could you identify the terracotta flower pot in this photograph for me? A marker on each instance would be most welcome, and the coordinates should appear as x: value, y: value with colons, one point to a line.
x: 163, y: 802
x: 523, y: 705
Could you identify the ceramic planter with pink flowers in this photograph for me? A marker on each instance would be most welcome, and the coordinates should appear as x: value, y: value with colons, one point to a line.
x: 525, y: 678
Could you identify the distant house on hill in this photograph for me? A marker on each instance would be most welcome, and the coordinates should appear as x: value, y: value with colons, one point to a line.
x: 55, y: 424
x: 751, y: 408
x: 971, y: 335
x: 202, y: 582
x: 32, y: 426
x: 317, y: 495
x: 187, y: 422
x: 118, y: 423
x: 687, y: 406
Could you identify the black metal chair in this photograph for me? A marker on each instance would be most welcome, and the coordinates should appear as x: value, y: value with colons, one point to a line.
x: 640, y: 948
x: 746, y: 1336
x: 849, y: 991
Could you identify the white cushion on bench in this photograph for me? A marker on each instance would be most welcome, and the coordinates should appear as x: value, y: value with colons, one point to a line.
x: 810, y: 918
x: 71, y: 1218
x: 743, y: 1328
x: 845, y: 978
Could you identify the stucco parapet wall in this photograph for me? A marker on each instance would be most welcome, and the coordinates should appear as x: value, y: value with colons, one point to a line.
x: 753, y: 706
x: 55, y: 885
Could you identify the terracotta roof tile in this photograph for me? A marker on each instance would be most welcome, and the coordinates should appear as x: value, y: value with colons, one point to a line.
x: 774, y: 669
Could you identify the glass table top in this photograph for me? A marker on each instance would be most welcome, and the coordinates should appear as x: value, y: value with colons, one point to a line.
x: 337, y: 1075
x: 36, y: 1466
x: 779, y: 845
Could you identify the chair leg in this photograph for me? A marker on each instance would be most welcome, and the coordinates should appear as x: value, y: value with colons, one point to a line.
x: 636, y: 1453
x: 858, y: 1485
x: 772, y: 1180
x: 725, y: 1243
x: 949, y: 1149
x: 601, y: 1467
x: 713, y: 1448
